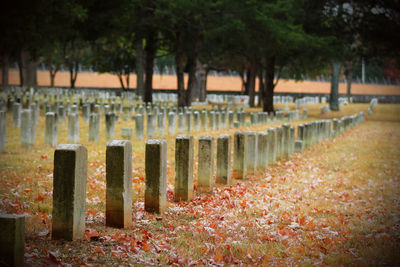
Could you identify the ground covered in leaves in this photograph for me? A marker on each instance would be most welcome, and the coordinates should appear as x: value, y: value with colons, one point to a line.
x: 337, y: 203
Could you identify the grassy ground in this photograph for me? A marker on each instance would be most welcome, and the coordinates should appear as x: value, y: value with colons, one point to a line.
x: 337, y: 203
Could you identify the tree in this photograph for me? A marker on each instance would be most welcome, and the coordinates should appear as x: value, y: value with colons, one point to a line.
x: 116, y: 56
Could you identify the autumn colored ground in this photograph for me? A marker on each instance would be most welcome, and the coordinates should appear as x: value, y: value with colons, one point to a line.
x: 337, y: 203
x: 223, y: 83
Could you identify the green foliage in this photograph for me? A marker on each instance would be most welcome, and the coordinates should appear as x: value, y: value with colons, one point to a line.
x: 116, y: 56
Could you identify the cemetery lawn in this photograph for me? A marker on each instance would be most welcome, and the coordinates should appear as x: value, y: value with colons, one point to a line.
x: 337, y: 203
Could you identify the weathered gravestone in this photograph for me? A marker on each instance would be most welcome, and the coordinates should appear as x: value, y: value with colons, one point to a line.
x: 12, y: 240
x: 119, y: 184
x: 183, y: 168
x: 16, y: 111
x: 251, y: 152
x: 262, y: 150
x: 205, y: 177
x: 26, y: 128
x: 94, y: 127
x: 271, y: 145
x: 69, y: 192
x: 73, y: 128
x: 240, y: 155
x: 223, y: 175
x: 171, y: 123
x: 110, y: 125
x: 155, y: 196
x: 139, y: 129
x: 51, y: 134
x: 151, y: 125
x: 126, y: 133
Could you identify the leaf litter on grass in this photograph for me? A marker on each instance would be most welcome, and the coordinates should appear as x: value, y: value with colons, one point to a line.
x: 337, y: 203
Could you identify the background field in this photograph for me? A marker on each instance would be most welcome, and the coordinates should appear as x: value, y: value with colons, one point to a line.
x: 224, y: 83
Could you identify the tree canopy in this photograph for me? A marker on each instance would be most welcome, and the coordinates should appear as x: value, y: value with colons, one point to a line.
x: 253, y: 38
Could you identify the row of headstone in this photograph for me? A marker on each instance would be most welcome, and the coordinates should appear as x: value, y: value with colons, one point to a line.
x: 283, y: 99
x: 186, y: 121
x: 252, y: 151
x: 316, y: 131
x: 307, y: 100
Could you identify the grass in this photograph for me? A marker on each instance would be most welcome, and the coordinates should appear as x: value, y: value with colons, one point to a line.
x: 337, y: 203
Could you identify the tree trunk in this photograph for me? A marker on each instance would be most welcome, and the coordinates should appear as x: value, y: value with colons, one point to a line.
x: 5, y: 64
x: 260, y: 87
x: 252, y: 82
x: 121, y: 81
x: 21, y: 70
x: 179, y: 62
x: 203, y: 84
x: 334, y: 99
x: 268, y: 96
x: 200, y: 73
x: 29, y: 67
x: 127, y: 81
x: 150, y: 49
x: 53, y: 69
x: 349, y: 77
x: 73, y: 73
x: 192, y: 71
x: 139, y: 68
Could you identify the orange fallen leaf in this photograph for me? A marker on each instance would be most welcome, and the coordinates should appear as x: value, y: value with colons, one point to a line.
x: 218, y: 257
x: 91, y: 233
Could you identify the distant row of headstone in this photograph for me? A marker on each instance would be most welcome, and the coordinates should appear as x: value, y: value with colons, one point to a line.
x: 252, y: 151
x: 159, y: 118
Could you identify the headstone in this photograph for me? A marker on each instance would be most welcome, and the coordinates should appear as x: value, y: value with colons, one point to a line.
x: 196, y: 121
x: 126, y: 133
x: 171, y: 123
x: 262, y: 150
x: 16, y: 111
x: 61, y: 115
x: 181, y: 122
x: 35, y: 114
x: 203, y: 120
x: 155, y: 196
x: 26, y: 128
x: 230, y: 119
x: 110, y: 125
x: 223, y: 174
x: 205, y: 177
x: 188, y: 120
x: 285, y: 141
x: 69, y: 192
x: 85, y: 112
x: 217, y: 121
x: 73, y: 128
x: 151, y: 125
x: 139, y: 126
x: 279, y: 136
x: 3, y: 125
x: 51, y: 134
x: 298, y: 146
x: 240, y: 155
x: 211, y: 119
x: 251, y: 152
x: 94, y: 127
x: 12, y: 241
x: 183, y: 168
x: 271, y: 145
x: 291, y: 140
x: 161, y: 124
x: 119, y: 184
